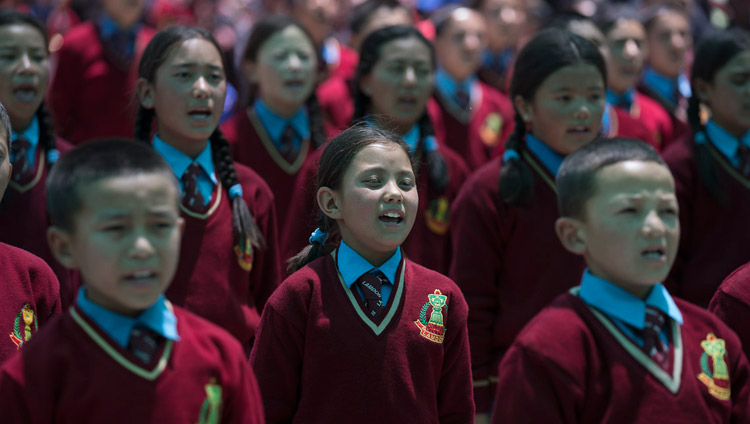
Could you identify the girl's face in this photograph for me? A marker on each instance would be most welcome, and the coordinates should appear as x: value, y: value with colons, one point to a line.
x: 124, y: 12
x: 459, y: 48
x: 317, y: 16
x: 669, y: 40
x: 728, y: 95
x: 285, y: 71
x: 400, y: 83
x: 566, y: 111
x: 187, y: 94
x: 627, y: 51
x: 376, y: 205
x: 24, y: 72
x: 504, y: 21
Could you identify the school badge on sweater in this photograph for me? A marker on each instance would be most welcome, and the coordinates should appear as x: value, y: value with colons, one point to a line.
x: 211, y: 408
x: 437, y: 215
x: 433, y: 330
x: 715, y: 373
x: 28, y: 318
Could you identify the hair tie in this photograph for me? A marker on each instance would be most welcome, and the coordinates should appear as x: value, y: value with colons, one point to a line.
x: 235, y: 191
x: 318, y: 236
x: 700, y: 137
x: 510, y: 154
x: 52, y: 156
x: 430, y: 143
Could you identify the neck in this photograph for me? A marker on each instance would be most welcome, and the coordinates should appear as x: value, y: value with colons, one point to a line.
x: 737, y: 131
x: 285, y: 111
x: 192, y: 148
x: 390, y: 124
x: 20, y: 125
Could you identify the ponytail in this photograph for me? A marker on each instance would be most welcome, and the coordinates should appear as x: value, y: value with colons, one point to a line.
x: 516, y: 182
x: 321, y: 243
x: 707, y: 169
x: 47, y: 138
x: 317, y: 134
x: 437, y: 169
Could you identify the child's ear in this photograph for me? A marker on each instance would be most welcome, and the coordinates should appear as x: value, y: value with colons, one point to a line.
x: 59, y: 242
x: 145, y: 92
x: 571, y: 235
x: 701, y: 90
x: 523, y: 107
x: 328, y: 203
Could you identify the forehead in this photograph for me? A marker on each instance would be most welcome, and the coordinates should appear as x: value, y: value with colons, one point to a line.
x: 631, y: 178
x: 573, y: 77
x: 382, y: 154
x: 739, y: 63
x: 410, y: 48
x: 194, y: 51
x: 20, y: 33
x: 626, y: 28
x: 129, y: 193
x: 463, y: 19
x: 670, y: 20
x: 290, y: 37
x: 386, y: 16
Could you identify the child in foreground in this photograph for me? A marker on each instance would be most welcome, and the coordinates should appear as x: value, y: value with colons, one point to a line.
x: 618, y: 348
x: 359, y: 333
x: 123, y: 353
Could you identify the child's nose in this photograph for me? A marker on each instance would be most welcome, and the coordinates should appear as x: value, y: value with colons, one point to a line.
x: 200, y: 88
x: 653, y: 225
x: 393, y: 192
x: 142, y: 247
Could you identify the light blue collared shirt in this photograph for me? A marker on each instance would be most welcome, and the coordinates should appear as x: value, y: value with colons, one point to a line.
x: 499, y: 62
x: 726, y: 143
x: 549, y: 158
x: 108, y: 29
x: 275, y: 125
x: 412, y: 138
x: 158, y: 317
x: 32, y: 134
x: 352, y: 266
x: 179, y: 162
x: 624, y: 100
x: 665, y: 86
x: 606, y: 120
x: 448, y: 86
x: 624, y: 308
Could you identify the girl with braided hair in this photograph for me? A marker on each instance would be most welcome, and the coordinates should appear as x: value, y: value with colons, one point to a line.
x: 24, y: 78
x: 229, y: 258
x: 506, y: 256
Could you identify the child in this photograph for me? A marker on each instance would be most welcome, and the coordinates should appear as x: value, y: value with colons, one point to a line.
x: 229, y: 260
x: 475, y: 117
x: 505, y: 256
x: 619, y: 348
x: 732, y: 304
x: 360, y: 324
x: 392, y: 90
x: 91, y: 95
x: 282, y: 124
x: 31, y: 294
x: 711, y: 169
x: 24, y: 75
x: 123, y: 353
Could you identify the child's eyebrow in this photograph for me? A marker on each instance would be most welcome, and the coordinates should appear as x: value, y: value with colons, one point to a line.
x: 194, y: 64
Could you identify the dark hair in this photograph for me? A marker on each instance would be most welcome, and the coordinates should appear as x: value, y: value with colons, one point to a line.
x: 653, y: 13
x: 442, y: 17
x: 548, y: 52
x: 338, y: 155
x: 437, y: 172
x: 362, y: 12
x: 264, y: 30
x: 155, y: 54
x: 576, y: 179
x: 712, y: 54
x: 609, y: 15
x: 94, y: 161
x: 47, y: 138
x: 5, y: 121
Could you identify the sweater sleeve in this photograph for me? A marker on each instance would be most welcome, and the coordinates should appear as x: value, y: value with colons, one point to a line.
x: 47, y: 291
x: 267, y: 273
x: 740, y: 389
x: 455, y: 398
x: 734, y: 313
x: 17, y: 403
x: 244, y: 403
x: 684, y: 175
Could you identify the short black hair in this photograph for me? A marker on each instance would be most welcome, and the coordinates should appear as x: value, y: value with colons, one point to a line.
x: 362, y: 12
x: 5, y: 122
x: 94, y: 161
x: 575, y: 179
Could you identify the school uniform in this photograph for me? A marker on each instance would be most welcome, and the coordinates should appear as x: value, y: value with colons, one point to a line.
x: 649, y: 112
x: 731, y: 303
x: 341, y: 61
x: 672, y: 94
x: 497, y: 68
x: 714, y: 236
x: 336, y: 104
x: 507, y: 260
x: 583, y: 358
x: 475, y: 119
x: 257, y: 139
x: 617, y: 123
x: 90, y: 367
x: 91, y: 94
x: 316, y: 343
x: 31, y: 297
x: 213, y: 279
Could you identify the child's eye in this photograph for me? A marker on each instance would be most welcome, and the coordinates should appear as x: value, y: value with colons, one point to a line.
x: 407, y: 183
x: 372, y: 181
x: 114, y: 228
x: 628, y: 210
x: 563, y: 98
x: 669, y: 211
x: 7, y: 56
x: 182, y: 75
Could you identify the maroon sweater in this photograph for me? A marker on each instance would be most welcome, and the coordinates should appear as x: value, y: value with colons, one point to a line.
x: 252, y: 147
x: 30, y: 297
x: 623, y: 125
x: 319, y: 359
x: 714, y: 236
x: 74, y: 373
x: 509, y: 265
x: 24, y: 220
x: 481, y: 137
x: 568, y: 367
x: 90, y: 97
x: 210, y: 281
x: 731, y: 303
x: 656, y: 119
x: 336, y: 104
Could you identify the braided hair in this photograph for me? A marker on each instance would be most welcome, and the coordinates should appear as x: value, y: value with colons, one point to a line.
x: 712, y: 54
x: 246, y: 231
x: 264, y: 30
x: 548, y: 52
x: 437, y: 172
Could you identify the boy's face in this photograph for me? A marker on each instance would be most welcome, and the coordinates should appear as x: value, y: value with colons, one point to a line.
x: 669, y: 41
x: 627, y: 51
x: 459, y: 48
x: 125, y: 241
x: 630, y: 232
x: 5, y: 166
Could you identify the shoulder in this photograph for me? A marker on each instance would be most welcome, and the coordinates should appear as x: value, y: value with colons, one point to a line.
x: 254, y: 187
x: 23, y: 262
x: 700, y: 322
x: 332, y: 89
x: 299, y: 287
x: 193, y: 328
x: 483, y: 182
x: 456, y: 164
x: 419, y: 278
x: 679, y: 155
x: 544, y: 333
x: 80, y: 38
x: 62, y: 145
x: 494, y: 96
x: 737, y: 285
x: 647, y: 104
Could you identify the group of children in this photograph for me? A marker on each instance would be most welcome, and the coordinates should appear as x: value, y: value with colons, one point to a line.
x: 484, y: 251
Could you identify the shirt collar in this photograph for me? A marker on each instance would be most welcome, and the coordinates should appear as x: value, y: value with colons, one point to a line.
x: 498, y: 61
x: 726, y: 143
x: 624, y: 100
x: 617, y: 303
x: 550, y: 158
x: 275, y: 124
x: 666, y: 86
x: 158, y: 317
x: 31, y: 133
x: 179, y: 161
x: 449, y: 86
x: 352, y: 265
x: 108, y: 28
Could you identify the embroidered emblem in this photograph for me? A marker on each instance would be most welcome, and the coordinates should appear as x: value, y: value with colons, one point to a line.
x: 245, y: 259
x: 718, y: 380
x: 28, y: 317
x: 433, y: 330
x: 438, y: 215
x: 211, y: 407
x: 491, y: 129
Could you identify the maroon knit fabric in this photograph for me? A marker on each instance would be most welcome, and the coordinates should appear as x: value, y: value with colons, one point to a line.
x: 632, y: 128
x: 731, y: 303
